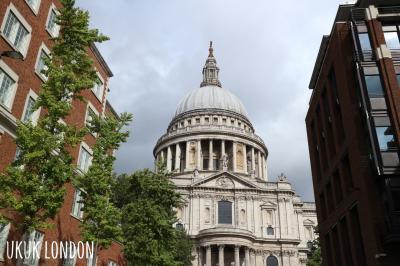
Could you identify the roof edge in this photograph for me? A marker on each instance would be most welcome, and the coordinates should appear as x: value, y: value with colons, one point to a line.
x: 102, y: 62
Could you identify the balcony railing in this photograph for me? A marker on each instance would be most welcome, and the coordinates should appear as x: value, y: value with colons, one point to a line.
x: 205, y: 128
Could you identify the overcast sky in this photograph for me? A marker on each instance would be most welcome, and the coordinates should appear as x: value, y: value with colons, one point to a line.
x: 265, y: 51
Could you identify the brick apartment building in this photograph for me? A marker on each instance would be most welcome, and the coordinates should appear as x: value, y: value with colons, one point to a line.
x: 26, y: 26
x: 353, y: 127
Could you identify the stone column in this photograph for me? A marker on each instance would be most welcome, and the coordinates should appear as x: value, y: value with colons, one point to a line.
x: 222, y: 156
x: 253, y: 160
x: 221, y: 255
x: 244, y: 158
x: 198, y: 153
x: 265, y: 169
x: 234, y: 157
x: 210, y: 156
x: 169, y: 159
x: 162, y: 156
x: 199, y: 257
x: 178, y: 157
x: 259, y: 164
x: 237, y: 258
x: 247, y: 256
x: 187, y: 156
x: 208, y: 255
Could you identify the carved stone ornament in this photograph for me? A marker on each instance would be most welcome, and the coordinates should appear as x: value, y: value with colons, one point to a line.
x: 282, y: 178
x: 225, y: 182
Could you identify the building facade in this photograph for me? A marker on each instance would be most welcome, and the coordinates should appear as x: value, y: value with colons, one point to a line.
x: 26, y: 27
x: 234, y: 214
x: 353, y: 131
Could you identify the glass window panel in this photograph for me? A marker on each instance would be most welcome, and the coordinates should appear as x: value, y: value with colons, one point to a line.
x: 225, y: 212
x: 4, y: 230
x: 364, y: 42
x: 84, y: 160
x: 34, y: 4
x: 16, y: 32
x: 270, y: 231
x: 51, y: 24
x: 6, y: 89
x: 374, y: 86
x: 41, y: 63
x: 31, y: 258
x: 89, y: 117
x: 92, y: 260
x: 77, y: 204
x: 98, y: 88
x: 29, y: 109
x: 385, y: 137
x: 392, y: 40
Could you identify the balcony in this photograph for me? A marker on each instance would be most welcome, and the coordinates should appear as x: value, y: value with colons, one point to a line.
x: 211, y: 128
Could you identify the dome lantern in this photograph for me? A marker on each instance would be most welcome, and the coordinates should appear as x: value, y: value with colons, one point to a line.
x: 210, y: 70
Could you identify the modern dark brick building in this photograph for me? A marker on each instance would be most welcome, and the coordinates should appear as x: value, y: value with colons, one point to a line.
x: 353, y: 126
x: 26, y: 26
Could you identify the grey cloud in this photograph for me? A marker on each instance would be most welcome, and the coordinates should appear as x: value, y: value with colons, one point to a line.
x: 265, y: 50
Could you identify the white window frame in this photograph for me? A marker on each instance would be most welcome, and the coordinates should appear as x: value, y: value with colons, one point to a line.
x: 91, y: 107
x: 89, y: 150
x: 36, y: 114
x: 46, y: 50
x: 13, y: 76
x: 30, y: 238
x: 99, y: 97
x: 34, y: 10
x: 78, y: 215
x: 3, y: 239
x: 21, y: 19
x: 57, y: 27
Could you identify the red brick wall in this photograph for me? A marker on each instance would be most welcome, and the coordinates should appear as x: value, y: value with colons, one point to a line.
x: 66, y: 227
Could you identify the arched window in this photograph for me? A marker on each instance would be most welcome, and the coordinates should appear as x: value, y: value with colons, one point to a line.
x: 270, y: 231
x: 272, y: 261
x: 224, y: 212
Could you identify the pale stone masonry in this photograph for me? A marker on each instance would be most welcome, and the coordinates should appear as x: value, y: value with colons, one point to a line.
x: 233, y: 213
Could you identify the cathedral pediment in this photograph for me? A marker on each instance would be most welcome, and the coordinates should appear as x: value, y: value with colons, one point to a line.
x: 268, y: 205
x: 225, y: 180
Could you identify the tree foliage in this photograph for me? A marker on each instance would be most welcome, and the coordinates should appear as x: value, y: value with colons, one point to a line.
x: 315, y: 257
x: 33, y: 187
x: 101, y: 222
x: 148, y: 200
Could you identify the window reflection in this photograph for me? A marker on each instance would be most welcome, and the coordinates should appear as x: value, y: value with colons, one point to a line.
x: 374, y: 86
x: 364, y: 42
x: 385, y: 137
x: 392, y: 40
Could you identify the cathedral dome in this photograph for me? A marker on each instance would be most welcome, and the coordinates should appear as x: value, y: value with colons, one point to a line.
x: 211, y: 97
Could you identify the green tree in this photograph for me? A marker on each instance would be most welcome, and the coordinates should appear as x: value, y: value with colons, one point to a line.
x: 101, y: 222
x: 148, y: 200
x: 33, y: 187
x: 183, y: 248
x: 315, y: 258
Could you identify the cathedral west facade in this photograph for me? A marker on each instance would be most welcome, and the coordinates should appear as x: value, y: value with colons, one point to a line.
x: 234, y: 214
